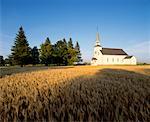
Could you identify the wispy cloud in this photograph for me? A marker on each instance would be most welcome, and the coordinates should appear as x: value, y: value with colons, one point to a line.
x: 141, y: 51
x: 5, y: 44
x: 5, y: 36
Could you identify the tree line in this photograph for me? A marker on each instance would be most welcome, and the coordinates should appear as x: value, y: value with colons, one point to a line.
x: 60, y: 53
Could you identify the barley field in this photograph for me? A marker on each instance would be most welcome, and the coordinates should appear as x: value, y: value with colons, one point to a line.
x: 81, y: 93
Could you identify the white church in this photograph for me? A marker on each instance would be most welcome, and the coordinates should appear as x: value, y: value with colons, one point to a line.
x: 110, y: 56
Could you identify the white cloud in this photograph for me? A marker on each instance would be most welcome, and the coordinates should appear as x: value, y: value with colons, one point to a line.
x: 141, y: 51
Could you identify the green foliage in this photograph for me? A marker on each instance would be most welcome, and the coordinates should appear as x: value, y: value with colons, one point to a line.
x: 35, y: 55
x: 6, y: 61
x: 72, y: 57
x: 46, y: 52
x: 77, y: 48
x: 9, y: 61
x: 61, y: 53
x: 72, y: 53
x: 2, y: 63
x: 70, y: 44
x: 21, y: 52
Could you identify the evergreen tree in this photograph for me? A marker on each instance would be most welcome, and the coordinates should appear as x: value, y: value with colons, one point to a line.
x: 78, y: 57
x: 21, y: 52
x: 64, y: 43
x: 72, y: 54
x: 70, y: 44
x: 77, y: 47
x: 46, y: 52
x: 35, y: 55
x: 61, y: 52
x: 2, y: 61
x: 55, y: 59
x: 65, y: 52
x: 58, y: 52
x: 9, y: 60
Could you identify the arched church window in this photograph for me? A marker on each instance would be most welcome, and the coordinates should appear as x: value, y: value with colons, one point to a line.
x: 107, y: 59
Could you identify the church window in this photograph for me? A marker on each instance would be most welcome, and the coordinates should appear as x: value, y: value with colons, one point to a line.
x: 117, y: 59
x: 112, y: 59
x: 95, y: 52
x: 107, y: 59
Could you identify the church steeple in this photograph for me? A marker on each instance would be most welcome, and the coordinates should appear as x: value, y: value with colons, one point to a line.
x: 97, y: 44
x: 97, y: 40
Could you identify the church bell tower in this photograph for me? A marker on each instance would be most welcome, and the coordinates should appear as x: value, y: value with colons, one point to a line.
x: 97, y: 43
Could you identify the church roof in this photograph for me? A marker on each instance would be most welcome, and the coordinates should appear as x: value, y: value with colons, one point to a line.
x: 128, y: 57
x: 94, y: 58
x: 113, y: 51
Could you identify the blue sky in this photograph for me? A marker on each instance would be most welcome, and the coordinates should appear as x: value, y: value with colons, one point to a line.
x: 122, y: 24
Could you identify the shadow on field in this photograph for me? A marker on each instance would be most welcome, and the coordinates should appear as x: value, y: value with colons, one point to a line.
x: 147, y: 71
x: 13, y: 70
x: 109, y: 95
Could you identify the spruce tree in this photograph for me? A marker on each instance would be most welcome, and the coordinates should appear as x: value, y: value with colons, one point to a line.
x: 72, y: 54
x: 70, y: 44
x: 46, y: 52
x: 1, y: 61
x: 65, y: 52
x: 35, y: 55
x: 61, y: 52
x: 77, y: 48
x: 21, y: 52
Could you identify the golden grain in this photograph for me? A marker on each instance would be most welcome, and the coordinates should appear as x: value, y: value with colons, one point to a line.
x: 102, y: 93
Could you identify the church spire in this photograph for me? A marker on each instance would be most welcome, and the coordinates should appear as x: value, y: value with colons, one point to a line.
x: 97, y: 39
